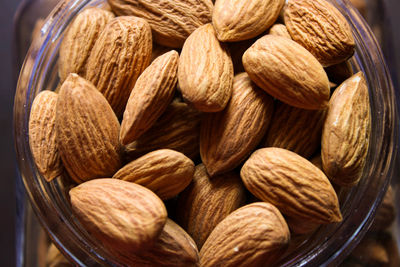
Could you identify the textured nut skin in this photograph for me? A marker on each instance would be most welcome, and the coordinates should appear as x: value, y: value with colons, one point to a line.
x: 206, y: 202
x: 288, y: 72
x: 345, y: 136
x: 253, y: 235
x: 205, y: 71
x: 237, y: 20
x: 79, y: 41
x: 295, y: 129
x: 42, y: 135
x: 279, y: 30
x: 119, y: 56
x: 173, y: 248
x: 153, y: 91
x: 321, y: 29
x: 178, y: 20
x: 271, y: 174
x: 165, y: 172
x: 118, y: 213
x: 229, y: 136
x: 177, y: 129
x: 87, y: 131
x: 300, y: 227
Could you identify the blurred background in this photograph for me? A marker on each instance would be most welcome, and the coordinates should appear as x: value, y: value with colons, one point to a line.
x: 382, y: 15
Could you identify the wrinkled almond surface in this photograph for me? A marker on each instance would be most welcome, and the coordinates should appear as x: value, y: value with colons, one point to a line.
x: 279, y: 30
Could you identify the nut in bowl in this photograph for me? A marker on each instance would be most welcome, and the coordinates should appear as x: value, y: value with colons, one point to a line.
x: 224, y: 152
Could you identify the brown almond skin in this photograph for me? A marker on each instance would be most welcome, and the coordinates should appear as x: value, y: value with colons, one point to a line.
x: 205, y: 71
x: 340, y: 72
x: 177, y: 129
x: 173, y: 248
x: 165, y: 172
x: 80, y: 39
x: 295, y: 129
x: 345, y: 136
x: 153, y: 91
x: 206, y: 202
x: 279, y: 30
x: 319, y: 27
x: 229, y: 136
x: 300, y: 227
x: 87, y: 131
x: 119, y: 56
x: 119, y: 213
x: 253, y: 235
x: 272, y: 173
x: 237, y: 20
x: 43, y: 137
x: 179, y: 18
x: 275, y: 64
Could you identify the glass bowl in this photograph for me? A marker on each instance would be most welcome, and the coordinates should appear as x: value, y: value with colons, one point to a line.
x: 328, y: 245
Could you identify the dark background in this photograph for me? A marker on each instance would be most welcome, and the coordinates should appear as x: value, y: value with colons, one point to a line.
x: 390, y: 10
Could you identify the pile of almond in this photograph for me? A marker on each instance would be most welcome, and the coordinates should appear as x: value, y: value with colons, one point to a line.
x: 236, y: 115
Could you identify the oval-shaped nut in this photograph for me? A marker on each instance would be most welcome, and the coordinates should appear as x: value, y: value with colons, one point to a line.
x: 165, y: 172
x: 288, y: 72
x: 296, y: 129
x: 205, y: 71
x: 300, y: 227
x: 119, y: 56
x: 87, y: 131
x: 43, y: 137
x: 345, y: 136
x: 119, y: 214
x: 153, y: 91
x: 171, y: 21
x: 321, y: 29
x: 272, y: 174
x: 177, y: 129
x: 253, y: 235
x: 80, y: 39
x: 206, y: 202
x: 279, y: 30
x: 237, y: 20
x: 229, y: 136
x: 173, y: 248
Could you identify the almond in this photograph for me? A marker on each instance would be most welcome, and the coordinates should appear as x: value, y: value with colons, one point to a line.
x: 321, y: 29
x: 205, y: 71
x: 119, y: 56
x: 279, y: 30
x: 119, y: 214
x: 288, y: 72
x: 229, y: 136
x: 300, y: 227
x: 253, y: 235
x: 165, y: 172
x: 87, y: 131
x: 79, y: 40
x: 345, y: 136
x: 206, y: 202
x: 271, y: 174
x: 42, y: 135
x: 237, y: 20
x: 171, y: 21
x: 153, y: 91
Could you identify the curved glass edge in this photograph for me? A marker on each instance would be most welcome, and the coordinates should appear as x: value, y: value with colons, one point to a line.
x: 84, y: 252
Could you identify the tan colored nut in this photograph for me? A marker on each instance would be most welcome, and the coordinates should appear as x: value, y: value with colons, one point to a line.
x: 119, y: 214
x: 271, y: 174
x: 321, y: 29
x: 205, y: 71
x: 153, y: 91
x: 43, y: 137
x: 206, y: 202
x: 165, y: 172
x: 345, y: 136
x: 80, y: 39
x: 253, y: 235
x: 171, y: 21
x: 119, y: 56
x: 292, y: 74
x: 237, y: 20
x: 229, y: 136
x: 279, y: 30
x: 300, y: 227
x: 87, y: 131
